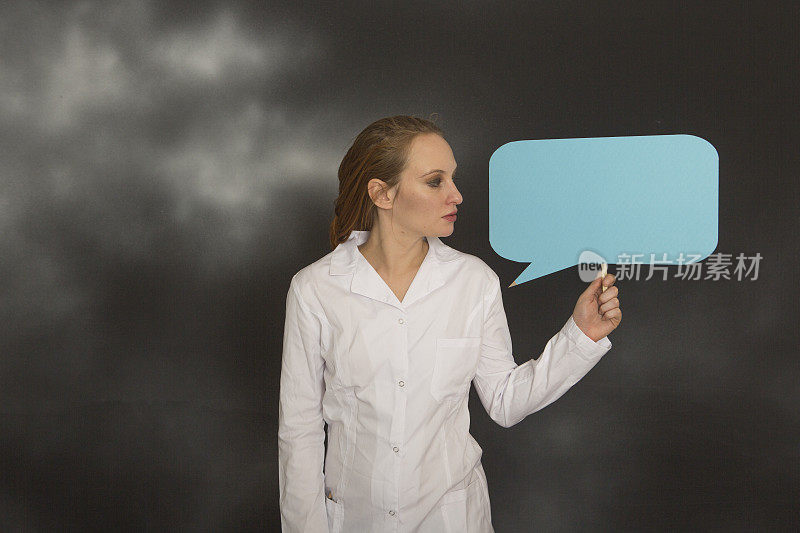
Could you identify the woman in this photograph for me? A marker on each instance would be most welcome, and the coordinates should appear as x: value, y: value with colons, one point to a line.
x: 383, y: 337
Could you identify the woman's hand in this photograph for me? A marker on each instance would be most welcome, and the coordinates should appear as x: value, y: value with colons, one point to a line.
x: 597, y: 313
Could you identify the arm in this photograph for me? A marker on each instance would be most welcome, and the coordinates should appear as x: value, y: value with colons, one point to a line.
x: 301, y: 444
x: 510, y: 392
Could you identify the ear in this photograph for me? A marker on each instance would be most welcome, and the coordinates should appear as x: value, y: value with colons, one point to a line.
x: 380, y: 194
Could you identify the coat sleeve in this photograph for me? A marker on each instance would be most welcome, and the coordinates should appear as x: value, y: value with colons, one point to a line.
x: 510, y: 392
x: 301, y: 435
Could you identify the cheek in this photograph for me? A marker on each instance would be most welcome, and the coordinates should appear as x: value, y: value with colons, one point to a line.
x: 420, y: 204
x: 429, y: 206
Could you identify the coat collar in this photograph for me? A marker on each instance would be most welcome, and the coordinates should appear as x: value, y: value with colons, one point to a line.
x: 432, y: 274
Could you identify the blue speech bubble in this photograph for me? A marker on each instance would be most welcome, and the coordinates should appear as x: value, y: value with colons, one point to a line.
x: 551, y: 199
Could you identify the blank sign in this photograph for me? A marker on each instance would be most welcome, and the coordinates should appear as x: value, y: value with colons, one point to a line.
x: 552, y: 199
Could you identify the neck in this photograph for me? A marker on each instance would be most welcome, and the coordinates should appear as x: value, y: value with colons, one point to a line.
x: 394, y: 253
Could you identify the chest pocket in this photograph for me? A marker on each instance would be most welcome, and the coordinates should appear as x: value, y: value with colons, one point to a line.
x: 456, y: 359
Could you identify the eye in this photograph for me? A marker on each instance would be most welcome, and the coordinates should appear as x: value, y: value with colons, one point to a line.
x: 438, y: 181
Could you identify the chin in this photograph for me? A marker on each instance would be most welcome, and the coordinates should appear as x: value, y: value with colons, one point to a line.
x: 447, y: 232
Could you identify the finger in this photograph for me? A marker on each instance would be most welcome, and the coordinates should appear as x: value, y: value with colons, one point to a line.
x: 612, y: 292
x: 608, y: 280
x: 615, y: 315
x: 609, y: 305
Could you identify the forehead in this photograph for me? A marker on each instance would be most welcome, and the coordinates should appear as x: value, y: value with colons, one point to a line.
x: 428, y: 152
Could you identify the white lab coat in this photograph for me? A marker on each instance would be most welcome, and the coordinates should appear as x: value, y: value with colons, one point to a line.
x: 391, y: 380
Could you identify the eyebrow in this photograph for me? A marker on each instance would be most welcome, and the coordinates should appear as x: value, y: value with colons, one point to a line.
x: 438, y: 170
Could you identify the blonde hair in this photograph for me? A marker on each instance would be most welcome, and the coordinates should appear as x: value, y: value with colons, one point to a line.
x: 379, y: 151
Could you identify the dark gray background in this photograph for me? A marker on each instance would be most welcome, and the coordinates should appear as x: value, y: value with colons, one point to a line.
x: 167, y: 167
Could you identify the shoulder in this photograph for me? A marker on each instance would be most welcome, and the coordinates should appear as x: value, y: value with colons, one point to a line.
x: 479, y: 266
x: 306, y: 281
x: 473, y: 266
x: 313, y: 272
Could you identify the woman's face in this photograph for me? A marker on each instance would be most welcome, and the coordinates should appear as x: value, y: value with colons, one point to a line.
x: 427, y: 193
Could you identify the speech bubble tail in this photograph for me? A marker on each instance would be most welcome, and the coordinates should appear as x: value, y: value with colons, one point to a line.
x: 526, y: 275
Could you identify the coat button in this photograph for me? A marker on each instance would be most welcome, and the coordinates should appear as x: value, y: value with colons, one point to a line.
x: 401, y: 383
x: 391, y: 512
x: 401, y: 321
x: 396, y: 449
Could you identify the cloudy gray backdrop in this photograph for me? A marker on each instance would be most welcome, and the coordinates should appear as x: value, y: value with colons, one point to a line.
x: 166, y: 167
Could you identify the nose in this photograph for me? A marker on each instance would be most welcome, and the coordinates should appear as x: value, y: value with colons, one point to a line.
x: 455, y: 196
